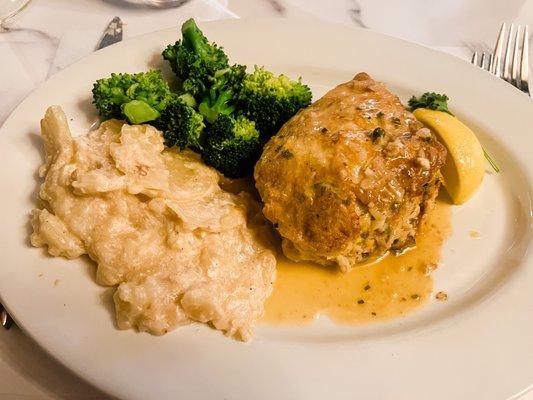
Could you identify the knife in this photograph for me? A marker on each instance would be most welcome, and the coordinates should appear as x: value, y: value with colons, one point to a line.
x: 5, y: 318
x: 112, y: 34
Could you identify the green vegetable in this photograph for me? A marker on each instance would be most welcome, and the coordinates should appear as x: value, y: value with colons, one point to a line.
x: 138, y: 97
x: 271, y: 100
x: 182, y: 125
x: 219, y: 110
x: 232, y: 146
x: 188, y: 99
x: 221, y: 96
x: 491, y: 161
x: 194, y: 60
x: 430, y: 100
x: 377, y: 133
x: 137, y: 112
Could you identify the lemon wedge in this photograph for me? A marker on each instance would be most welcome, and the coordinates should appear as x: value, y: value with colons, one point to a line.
x: 465, y: 164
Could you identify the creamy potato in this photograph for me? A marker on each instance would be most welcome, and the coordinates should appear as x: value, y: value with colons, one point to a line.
x: 177, y: 246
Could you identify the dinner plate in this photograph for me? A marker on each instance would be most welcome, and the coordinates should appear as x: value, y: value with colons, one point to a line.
x: 476, y: 345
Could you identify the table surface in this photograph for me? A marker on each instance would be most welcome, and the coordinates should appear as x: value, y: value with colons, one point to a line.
x: 41, y: 41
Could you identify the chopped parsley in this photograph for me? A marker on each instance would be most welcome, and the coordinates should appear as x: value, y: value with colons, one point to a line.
x: 377, y: 133
x: 430, y: 100
x: 491, y: 161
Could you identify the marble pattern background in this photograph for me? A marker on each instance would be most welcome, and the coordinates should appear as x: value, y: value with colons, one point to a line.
x: 51, y: 34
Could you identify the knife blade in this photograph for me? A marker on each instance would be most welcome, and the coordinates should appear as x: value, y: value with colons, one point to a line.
x: 112, y: 34
x: 5, y: 318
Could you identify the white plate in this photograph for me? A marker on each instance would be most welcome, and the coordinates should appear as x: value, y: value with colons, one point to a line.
x: 477, y: 345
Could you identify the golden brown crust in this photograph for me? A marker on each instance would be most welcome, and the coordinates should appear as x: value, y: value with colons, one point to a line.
x: 355, y: 163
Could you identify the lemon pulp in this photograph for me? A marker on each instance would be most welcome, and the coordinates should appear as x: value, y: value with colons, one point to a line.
x: 465, y: 163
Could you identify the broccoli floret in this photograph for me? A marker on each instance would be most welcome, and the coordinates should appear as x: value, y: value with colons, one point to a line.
x: 182, y: 125
x: 232, y: 146
x: 138, y: 97
x: 224, y: 88
x: 193, y: 59
x: 188, y: 99
x: 271, y: 100
x: 430, y: 100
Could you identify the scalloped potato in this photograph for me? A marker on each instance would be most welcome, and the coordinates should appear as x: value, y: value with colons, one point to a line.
x: 177, y: 246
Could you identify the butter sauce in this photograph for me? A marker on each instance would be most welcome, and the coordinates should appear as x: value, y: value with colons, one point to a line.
x: 389, y: 287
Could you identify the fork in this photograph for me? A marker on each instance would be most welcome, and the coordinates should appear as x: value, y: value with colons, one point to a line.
x: 511, y: 63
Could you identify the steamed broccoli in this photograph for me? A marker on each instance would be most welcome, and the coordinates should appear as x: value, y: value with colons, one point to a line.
x: 182, y: 125
x: 430, y: 100
x: 220, y: 111
x: 232, y: 146
x: 271, y: 100
x: 138, y: 97
x: 222, y: 95
x: 193, y: 59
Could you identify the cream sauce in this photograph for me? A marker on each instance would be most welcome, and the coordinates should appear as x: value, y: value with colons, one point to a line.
x: 380, y: 289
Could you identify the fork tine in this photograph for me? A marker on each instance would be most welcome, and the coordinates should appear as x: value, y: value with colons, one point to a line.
x: 498, y: 52
x: 524, y: 62
x: 506, y: 70
x: 514, y: 65
x: 483, y: 60
x: 490, y: 64
x: 474, y: 58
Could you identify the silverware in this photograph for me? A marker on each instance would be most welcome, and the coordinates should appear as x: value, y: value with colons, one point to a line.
x: 112, y: 34
x: 5, y: 319
x: 510, y: 59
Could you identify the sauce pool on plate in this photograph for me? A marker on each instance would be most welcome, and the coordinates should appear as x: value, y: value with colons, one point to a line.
x: 391, y: 286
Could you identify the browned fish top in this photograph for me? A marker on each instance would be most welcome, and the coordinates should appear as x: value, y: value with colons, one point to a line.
x: 350, y: 176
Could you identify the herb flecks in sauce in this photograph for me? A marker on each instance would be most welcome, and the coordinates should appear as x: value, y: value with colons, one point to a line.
x: 377, y: 133
x: 384, y: 286
x: 286, y: 154
x: 396, y: 120
x: 441, y: 296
